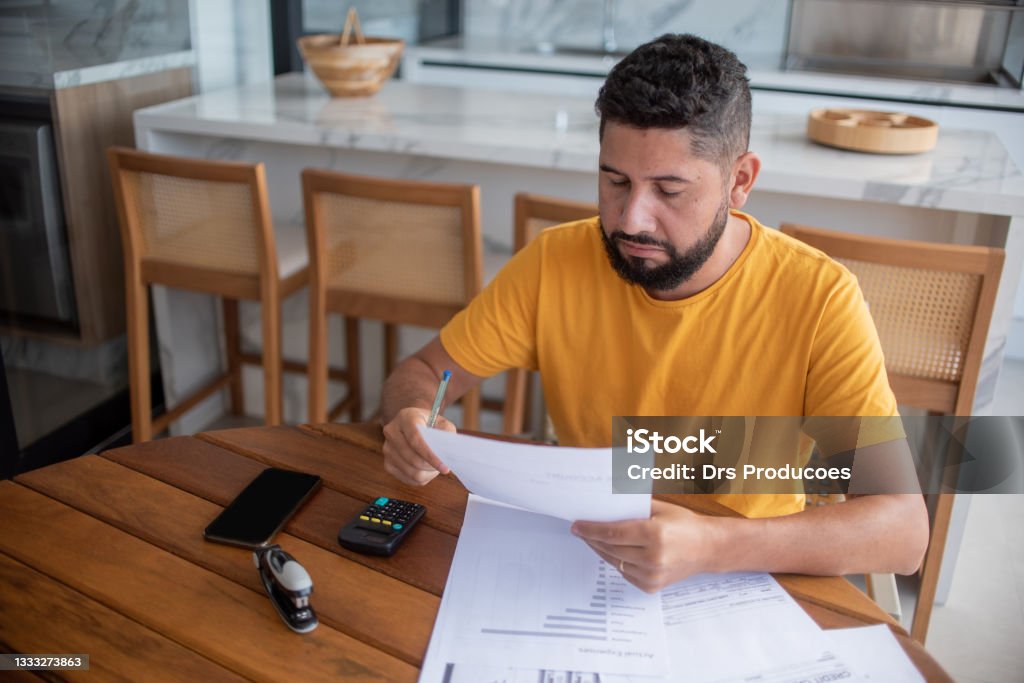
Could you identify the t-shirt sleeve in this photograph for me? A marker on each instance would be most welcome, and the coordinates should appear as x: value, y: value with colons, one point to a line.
x: 847, y: 379
x: 497, y: 330
x: 846, y: 375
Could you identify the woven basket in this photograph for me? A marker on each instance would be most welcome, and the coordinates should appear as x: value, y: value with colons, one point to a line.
x: 354, y: 69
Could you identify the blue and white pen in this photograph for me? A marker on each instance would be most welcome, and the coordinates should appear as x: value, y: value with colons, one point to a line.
x: 438, y: 397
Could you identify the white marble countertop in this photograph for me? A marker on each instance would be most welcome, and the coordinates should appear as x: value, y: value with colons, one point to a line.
x: 764, y: 72
x: 968, y: 170
x: 45, y: 75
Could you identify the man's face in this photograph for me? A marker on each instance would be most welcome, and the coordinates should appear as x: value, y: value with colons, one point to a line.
x: 663, y: 209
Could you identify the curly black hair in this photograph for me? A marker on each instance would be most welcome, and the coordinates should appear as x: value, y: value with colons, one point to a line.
x: 682, y: 81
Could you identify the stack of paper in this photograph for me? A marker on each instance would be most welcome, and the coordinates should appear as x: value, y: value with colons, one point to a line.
x: 524, y: 590
x: 527, y: 601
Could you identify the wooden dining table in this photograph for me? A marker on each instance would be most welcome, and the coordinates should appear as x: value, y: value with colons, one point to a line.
x: 104, y: 555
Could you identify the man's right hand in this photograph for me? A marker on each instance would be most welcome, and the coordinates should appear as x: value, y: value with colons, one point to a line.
x: 406, y: 455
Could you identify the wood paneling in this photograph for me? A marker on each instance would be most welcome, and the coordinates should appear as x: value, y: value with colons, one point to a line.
x: 87, y: 120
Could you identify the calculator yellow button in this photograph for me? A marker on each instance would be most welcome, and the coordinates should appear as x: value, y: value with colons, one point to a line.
x: 376, y: 519
x: 364, y: 518
x: 387, y: 522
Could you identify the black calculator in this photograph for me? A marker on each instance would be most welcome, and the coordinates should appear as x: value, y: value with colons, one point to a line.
x: 381, y: 527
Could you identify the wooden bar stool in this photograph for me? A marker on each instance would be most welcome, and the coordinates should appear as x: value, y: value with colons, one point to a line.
x: 534, y: 213
x: 399, y: 251
x: 932, y: 305
x: 203, y: 226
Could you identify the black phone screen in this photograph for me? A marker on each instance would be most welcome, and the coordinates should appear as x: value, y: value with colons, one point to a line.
x: 262, y: 508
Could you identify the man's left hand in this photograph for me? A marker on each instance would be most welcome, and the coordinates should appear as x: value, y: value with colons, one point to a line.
x: 653, y: 553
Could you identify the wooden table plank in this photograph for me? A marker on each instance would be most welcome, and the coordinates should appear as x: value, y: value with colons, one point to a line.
x: 368, y: 435
x: 20, y: 676
x: 838, y: 595
x: 347, y: 468
x: 202, y: 610
x: 42, y: 616
x: 196, y: 466
x: 925, y: 663
x: 372, y: 607
x: 218, y: 475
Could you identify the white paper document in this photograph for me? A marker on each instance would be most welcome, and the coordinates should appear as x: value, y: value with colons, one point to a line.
x: 569, y: 483
x: 522, y: 589
x: 729, y: 627
x: 528, y: 602
x: 875, y: 654
x: 739, y: 627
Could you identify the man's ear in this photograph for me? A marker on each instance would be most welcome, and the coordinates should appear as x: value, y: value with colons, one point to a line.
x: 741, y: 181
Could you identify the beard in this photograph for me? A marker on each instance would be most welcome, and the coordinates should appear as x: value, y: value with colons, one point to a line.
x: 678, y: 269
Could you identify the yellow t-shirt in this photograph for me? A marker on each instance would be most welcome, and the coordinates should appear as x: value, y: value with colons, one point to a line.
x: 784, y: 332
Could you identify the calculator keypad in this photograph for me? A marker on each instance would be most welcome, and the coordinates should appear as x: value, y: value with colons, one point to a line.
x: 385, y: 514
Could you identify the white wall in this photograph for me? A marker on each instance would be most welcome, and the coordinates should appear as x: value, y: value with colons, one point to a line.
x: 231, y: 39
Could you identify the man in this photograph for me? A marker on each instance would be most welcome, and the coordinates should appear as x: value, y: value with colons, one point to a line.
x: 673, y: 302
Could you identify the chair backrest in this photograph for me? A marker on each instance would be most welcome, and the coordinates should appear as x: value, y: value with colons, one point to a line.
x: 194, y: 212
x: 533, y: 213
x: 932, y: 304
x: 401, y: 251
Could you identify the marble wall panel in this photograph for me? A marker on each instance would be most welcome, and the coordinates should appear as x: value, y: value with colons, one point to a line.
x: 754, y: 29
x: 47, y: 37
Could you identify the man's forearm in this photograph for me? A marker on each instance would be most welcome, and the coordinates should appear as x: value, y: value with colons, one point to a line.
x: 412, y: 384
x: 885, y: 533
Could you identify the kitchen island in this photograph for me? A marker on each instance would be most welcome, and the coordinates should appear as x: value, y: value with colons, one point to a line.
x: 967, y: 190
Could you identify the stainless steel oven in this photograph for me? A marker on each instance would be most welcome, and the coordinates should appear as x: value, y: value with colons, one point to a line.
x: 36, y: 287
x: 958, y: 41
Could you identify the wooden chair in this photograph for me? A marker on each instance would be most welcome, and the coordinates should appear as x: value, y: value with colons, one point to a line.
x: 399, y: 251
x: 932, y: 305
x: 203, y: 226
x: 533, y: 213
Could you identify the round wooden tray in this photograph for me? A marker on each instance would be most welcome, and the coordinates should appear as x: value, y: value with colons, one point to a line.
x: 879, y: 132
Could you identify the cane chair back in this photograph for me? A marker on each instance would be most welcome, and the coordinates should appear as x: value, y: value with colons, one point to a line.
x: 534, y: 213
x: 932, y: 305
x: 195, y: 222
x: 400, y: 251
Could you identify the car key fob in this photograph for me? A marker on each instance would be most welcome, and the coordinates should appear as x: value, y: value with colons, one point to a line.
x: 381, y: 527
x: 289, y: 587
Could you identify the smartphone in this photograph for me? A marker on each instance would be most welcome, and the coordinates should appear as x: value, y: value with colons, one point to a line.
x: 262, y: 508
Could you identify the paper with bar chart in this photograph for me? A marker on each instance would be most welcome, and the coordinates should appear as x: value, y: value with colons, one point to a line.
x: 727, y: 628
x: 523, y: 589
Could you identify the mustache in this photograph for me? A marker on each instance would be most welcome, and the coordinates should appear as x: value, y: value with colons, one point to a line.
x: 641, y: 239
